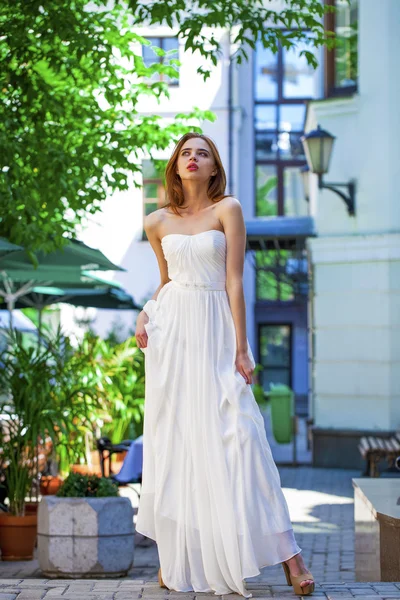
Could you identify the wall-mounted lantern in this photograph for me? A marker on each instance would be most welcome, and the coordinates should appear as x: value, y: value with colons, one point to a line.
x: 318, y: 146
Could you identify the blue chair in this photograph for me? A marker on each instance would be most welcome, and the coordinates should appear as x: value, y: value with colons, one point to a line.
x: 131, y: 470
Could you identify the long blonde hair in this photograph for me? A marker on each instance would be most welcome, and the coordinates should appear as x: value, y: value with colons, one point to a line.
x: 173, y: 183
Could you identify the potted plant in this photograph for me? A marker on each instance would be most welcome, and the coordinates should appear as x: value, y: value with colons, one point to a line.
x: 50, y: 484
x: 85, y: 530
x: 24, y: 390
x: 121, y: 389
x: 115, y: 372
x: 125, y: 393
x: 39, y: 399
x: 259, y: 393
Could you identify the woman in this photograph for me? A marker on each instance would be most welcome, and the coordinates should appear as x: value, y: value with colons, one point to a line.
x: 211, y: 493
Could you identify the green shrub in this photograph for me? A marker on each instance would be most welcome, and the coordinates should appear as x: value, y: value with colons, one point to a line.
x: 77, y: 485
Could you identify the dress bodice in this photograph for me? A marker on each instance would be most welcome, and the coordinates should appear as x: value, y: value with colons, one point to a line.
x: 198, y: 259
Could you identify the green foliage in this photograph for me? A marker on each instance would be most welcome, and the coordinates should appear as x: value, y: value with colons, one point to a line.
x: 115, y: 374
x: 71, y: 78
x: 258, y: 390
x: 246, y: 20
x: 70, y: 394
x: 260, y: 395
x: 43, y: 394
x: 123, y: 387
x: 70, y: 132
x: 264, y: 208
x: 272, y: 280
x: 77, y: 485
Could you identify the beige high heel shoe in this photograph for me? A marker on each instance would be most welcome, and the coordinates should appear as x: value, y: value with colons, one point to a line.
x: 160, y: 579
x: 295, y: 581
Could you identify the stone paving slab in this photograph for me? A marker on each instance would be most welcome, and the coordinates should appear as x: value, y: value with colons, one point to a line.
x: 81, y: 589
x: 322, y: 512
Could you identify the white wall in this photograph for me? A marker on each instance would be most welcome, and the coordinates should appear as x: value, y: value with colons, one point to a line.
x: 367, y: 127
x: 356, y: 260
x: 357, y: 322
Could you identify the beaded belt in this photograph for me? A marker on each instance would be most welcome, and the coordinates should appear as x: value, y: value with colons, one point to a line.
x: 199, y: 285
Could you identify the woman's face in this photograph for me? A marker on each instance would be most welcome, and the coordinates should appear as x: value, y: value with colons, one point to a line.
x: 196, y: 161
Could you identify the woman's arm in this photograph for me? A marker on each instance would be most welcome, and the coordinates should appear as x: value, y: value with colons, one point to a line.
x: 151, y: 228
x: 231, y: 217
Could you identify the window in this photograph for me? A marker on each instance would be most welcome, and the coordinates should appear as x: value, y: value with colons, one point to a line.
x: 168, y: 44
x: 295, y: 203
x: 283, y: 83
x: 275, y: 355
x: 341, y: 62
x: 266, y: 193
x: 281, y: 275
x: 153, y: 189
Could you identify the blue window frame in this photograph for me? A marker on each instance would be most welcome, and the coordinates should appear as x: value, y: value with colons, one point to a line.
x: 283, y: 83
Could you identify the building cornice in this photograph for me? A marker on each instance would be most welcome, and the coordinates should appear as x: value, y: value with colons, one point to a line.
x: 330, y: 107
x: 350, y: 249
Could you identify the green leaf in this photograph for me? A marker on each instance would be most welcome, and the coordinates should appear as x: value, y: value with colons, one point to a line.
x: 71, y: 83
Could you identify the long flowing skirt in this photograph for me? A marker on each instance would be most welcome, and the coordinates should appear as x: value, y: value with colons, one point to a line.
x: 211, y: 493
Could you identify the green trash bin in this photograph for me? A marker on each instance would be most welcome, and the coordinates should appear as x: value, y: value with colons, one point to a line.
x: 282, y: 413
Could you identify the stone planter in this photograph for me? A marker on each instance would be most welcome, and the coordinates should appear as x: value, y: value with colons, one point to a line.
x: 377, y: 529
x: 85, y: 537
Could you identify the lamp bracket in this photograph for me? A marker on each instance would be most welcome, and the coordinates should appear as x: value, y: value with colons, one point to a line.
x: 349, y: 199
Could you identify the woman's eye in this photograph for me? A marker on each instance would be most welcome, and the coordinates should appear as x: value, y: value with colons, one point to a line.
x: 187, y: 152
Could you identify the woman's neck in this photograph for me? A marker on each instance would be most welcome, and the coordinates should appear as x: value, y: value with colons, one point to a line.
x: 196, y: 198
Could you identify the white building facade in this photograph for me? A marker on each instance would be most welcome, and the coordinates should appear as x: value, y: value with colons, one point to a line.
x: 356, y: 260
x: 333, y: 337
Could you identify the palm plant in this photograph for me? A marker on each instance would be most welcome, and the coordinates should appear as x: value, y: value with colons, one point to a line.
x: 125, y: 390
x: 115, y: 372
x: 42, y: 394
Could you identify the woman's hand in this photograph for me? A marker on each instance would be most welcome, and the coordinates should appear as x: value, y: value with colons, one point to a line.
x: 245, y: 366
x: 140, y: 333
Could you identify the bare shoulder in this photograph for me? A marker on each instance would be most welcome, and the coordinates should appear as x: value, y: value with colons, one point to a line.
x: 229, y: 204
x: 229, y: 208
x: 230, y: 215
x: 153, y: 221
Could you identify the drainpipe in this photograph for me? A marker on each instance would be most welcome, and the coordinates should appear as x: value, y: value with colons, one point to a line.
x: 230, y: 117
x: 311, y: 340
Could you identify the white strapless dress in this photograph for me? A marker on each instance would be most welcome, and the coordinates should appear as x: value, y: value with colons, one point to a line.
x: 211, y: 493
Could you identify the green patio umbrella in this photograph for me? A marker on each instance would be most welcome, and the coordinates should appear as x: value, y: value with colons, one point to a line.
x: 6, y: 247
x: 65, y: 267
x: 60, y: 265
x: 110, y: 296
x: 91, y: 291
x: 113, y: 298
x: 61, y: 277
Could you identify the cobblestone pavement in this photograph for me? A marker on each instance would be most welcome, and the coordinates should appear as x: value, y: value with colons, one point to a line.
x: 81, y: 589
x: 321, y: 508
